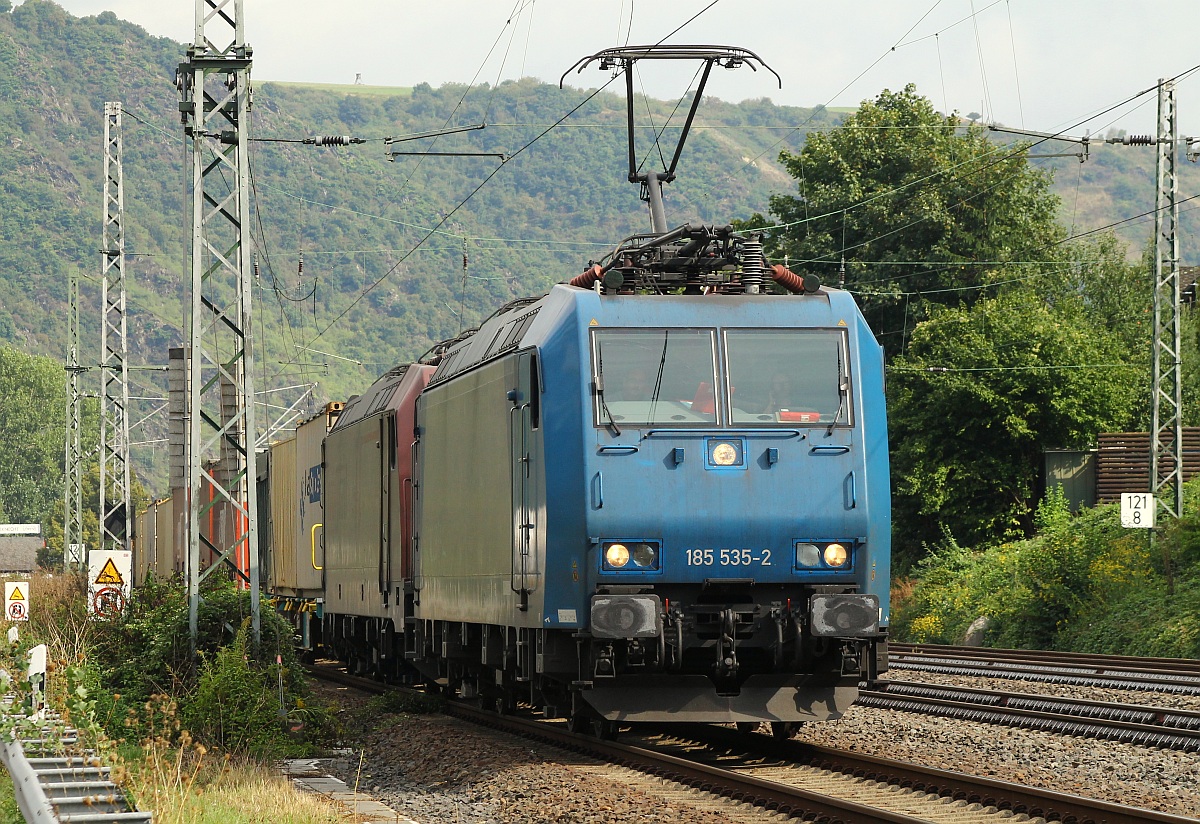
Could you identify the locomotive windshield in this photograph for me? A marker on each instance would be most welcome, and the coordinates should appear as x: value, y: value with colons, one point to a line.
x: 655, y: 376
x: 792, y: 376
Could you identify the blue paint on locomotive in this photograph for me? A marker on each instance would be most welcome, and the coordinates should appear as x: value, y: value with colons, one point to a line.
x: 799, y: 480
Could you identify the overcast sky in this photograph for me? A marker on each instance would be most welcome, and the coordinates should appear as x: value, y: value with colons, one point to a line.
x: 1043, y: 64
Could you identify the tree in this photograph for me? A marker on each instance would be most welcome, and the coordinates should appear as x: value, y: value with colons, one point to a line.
x: 32, y: 425
x: 922, y: 208
x: 979, y: 395
x: 33, y: 401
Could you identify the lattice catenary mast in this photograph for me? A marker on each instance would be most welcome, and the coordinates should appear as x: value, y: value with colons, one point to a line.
x: 73, y: 463
x: 214, y: 86
x: 114, y: 367
x: 1166, y: 436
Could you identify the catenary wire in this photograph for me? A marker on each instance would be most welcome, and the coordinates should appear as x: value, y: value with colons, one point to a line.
x: 488, y: 179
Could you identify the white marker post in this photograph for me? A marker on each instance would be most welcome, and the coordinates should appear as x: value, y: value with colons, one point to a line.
x: 37, y: 682
x: 1137, y: 510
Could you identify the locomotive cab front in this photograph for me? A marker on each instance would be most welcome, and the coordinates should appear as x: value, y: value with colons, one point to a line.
x: 737, y: 507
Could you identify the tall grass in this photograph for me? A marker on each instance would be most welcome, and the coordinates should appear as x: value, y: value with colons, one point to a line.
x: 157, y: 761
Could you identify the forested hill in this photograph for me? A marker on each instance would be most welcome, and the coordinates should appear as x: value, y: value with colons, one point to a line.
x: 349, y: 213
x: 353, y: 217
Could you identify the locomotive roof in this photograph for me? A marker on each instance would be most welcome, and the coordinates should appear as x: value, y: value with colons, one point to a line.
x: 377, y: 396
x: 513, y: 327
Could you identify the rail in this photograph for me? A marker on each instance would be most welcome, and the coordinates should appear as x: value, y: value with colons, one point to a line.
x: 795, y: 801
x: 1127, y: 723
x: 1174, y: 675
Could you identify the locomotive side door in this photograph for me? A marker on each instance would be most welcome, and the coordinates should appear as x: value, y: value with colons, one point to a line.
x: 387, y: 483
x: 523, y: 418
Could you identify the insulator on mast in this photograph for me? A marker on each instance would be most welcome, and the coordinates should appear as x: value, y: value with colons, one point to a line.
x: 333, y: 140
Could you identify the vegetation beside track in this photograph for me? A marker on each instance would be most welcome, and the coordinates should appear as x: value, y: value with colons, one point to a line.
x: 191, y: 738
x: 1083, y: 583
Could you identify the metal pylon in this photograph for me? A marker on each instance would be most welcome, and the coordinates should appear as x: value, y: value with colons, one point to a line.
x: 115, y: 505
x: 1166, y: 436
x: 73, y: 456
x: 214, y: 87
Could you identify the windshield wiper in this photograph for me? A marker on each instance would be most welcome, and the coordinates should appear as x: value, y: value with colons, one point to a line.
x: 662, y: 362
x: 598, y: 382
x: 843, y: 386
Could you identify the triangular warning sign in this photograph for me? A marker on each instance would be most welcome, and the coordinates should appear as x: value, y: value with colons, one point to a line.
x: 17, y: 595
x: 110, y: 575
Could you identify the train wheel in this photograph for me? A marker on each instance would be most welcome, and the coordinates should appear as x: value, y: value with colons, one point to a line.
x: 607, y: 730
x: 784, y: 729
x: 579, y: 722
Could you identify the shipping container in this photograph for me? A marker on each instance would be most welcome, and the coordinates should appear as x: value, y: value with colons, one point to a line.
x: 297, y: 508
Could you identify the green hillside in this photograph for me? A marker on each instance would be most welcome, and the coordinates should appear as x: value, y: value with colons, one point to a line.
x: 1117, y: 183
x: 354, y: 218
x: 377, y: 284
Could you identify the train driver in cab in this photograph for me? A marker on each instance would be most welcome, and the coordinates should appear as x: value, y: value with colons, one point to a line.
x: 781, y: 393
x: 637, y: 383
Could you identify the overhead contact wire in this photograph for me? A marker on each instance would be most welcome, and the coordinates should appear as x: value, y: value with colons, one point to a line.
x: 488, y: 179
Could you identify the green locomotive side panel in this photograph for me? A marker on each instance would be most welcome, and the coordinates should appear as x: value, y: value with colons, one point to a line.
x: 356, y: 463
x: 470, y: 499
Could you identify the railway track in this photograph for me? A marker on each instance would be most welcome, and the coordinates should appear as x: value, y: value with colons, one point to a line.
x: 1010, y: 798
x: 803, y: 780
x: 1173, y: 675
x: 1128, y: 723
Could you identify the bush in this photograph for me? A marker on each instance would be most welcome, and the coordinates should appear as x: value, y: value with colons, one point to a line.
x: 233, y: 707
x: 152, y: 639
x: 1082, y: 583
x: 117, y: 668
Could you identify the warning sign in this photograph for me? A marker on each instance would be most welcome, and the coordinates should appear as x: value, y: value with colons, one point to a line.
x: 109, y: 574
x: 108, y: 602
x: 16, y: 600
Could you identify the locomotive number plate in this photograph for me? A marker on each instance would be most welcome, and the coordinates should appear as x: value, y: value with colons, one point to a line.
x: 728, y: 557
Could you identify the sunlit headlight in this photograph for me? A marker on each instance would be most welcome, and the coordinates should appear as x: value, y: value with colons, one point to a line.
x: 836, y: 555
x: 807, y: 555
x: 644, y: 555
x: 616, y: 555
x: 724, y: 454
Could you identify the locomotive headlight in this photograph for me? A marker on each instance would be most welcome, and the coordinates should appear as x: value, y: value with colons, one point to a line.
x: 616, y: 555
x: 836, y: 555
x: 645, y: 555
x: 807, y: 555
x: 823, y: 556
x: 724, y: 454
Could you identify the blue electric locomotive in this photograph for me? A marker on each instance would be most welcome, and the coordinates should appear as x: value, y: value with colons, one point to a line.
x: 656, y: 507
x: 658, y: 493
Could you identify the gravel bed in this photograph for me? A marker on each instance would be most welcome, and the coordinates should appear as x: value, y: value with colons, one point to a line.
x: 1165, y: 780
x: 1168, y: 700
x: 432, y: 768
x: 439, y: 769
